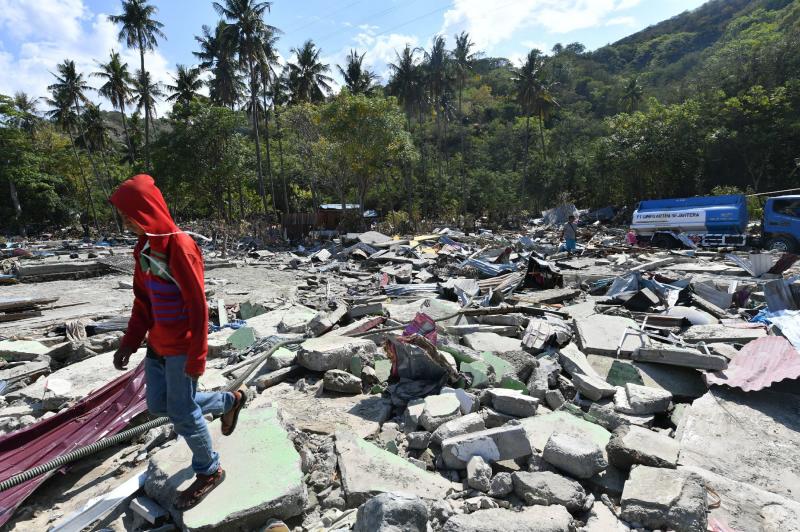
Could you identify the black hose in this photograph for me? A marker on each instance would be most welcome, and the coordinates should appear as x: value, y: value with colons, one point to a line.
x: 105, y: 443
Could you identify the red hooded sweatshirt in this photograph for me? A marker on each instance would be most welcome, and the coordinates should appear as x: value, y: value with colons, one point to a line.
x: 168, y: 282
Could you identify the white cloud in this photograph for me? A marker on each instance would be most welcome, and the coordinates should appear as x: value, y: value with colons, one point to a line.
x: 530, y: 45
x: 489, y: 25
x: 382, y: 50
x: 49, y: 31
x: 621, y: 21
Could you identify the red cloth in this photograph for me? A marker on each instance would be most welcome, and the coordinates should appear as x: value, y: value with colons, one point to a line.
x: 172, y: 311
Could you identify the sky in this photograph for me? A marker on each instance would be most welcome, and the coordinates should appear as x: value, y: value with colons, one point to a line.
x: 36, y: 35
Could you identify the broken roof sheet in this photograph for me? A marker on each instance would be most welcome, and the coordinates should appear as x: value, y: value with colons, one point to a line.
x: 760, y: 364
x: 102, y: 413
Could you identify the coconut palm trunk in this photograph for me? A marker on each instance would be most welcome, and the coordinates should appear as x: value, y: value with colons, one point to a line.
x: 146, y: 107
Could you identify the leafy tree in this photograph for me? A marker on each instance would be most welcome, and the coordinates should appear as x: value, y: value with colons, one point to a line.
x: 146, y: 92
x: 218, y: 54
x: 632, y: 95
x: 407, y: 81
x: 141, y: 30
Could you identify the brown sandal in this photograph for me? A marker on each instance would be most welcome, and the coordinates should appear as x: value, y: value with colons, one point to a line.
x: 230, y: 418
x: 197, y: 491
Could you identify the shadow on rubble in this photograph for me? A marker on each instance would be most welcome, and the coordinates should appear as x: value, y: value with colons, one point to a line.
x: 775, y: 402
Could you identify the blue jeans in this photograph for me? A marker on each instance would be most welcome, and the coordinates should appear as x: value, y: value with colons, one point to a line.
x: 172, y: 393
x: 569, y: 245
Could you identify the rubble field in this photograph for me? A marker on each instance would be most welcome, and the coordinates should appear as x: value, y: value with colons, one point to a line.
x: 441, y: 382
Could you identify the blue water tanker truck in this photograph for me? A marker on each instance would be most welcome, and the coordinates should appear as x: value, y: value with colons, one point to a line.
x: 718, y: 221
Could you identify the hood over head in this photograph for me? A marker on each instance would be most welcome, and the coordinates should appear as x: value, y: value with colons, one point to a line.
x: 139, y: 199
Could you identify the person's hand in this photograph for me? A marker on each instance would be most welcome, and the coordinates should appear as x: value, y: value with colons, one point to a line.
x: 121, y: 357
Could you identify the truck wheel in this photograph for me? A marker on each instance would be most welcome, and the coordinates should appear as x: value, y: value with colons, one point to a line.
x: 781, y: 243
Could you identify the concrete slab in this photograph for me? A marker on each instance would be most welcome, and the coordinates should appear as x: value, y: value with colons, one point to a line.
x: 540, y: 428
x: 593, y: 388
x: 644, y: 400
x: 368, y: 470
x: 680, y: 382
x: 722, y: 333
x: 631, y: 445
x: 502, y: 443
x: 530, y: 519
x: 22, y: 349
x: 600, y: 334
x: 333, y: 352
x: 75, y: 381
x: 747, y: 507
x: 492, y: 342
x: 573, y: 360
x: 360, y: 414
x: 749, y: 437
x: 676, y: 356
x: 259, y: 485
x: 435, y: 308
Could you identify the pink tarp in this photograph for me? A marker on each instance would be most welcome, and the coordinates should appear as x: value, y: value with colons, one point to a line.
x: 760, y: 364
x: 102, y: 413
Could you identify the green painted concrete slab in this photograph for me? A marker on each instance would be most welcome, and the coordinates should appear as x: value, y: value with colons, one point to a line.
x: 22, y: 349
x: 263, y: 476
x: 242, y: 338
x: 368, y: 470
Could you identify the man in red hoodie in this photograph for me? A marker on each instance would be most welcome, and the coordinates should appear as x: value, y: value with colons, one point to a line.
x: 170, y: 308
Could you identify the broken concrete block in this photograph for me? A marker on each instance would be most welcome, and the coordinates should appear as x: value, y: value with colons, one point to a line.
x: 722, y: 333
x: 368, y: 309
x: 295, y: 319
x: 636, y: 445
x: 543, y: 377
x: 336, y: 380
x: 540, y: 428
x: 513, y: 403
x: 259, y: 485
x: 554, y: 399
x: 645, y: 400
x: 368, y: 470
x: 242, y: 338
x: 148, y: 509
x: 412, y: 413
x: 502, y: 443
x: 610, y: 419
x: 419, y: 440
x: 593, y: 388
x: 469, y: 402
x: 601, y: 519
x: 495, y: 419
x: 282, y: 358
x: 659, y: 498
x: 530, y: 519
x: 491, y: 342
x: 676, y: 356
x: 479, y: 474
x: 333, y: 352
x: 579, y: 457
x: 546, y: 488
x: 439, y: 409
x: 392, y: 512
x: 501, y: 485
x: 458, y: 426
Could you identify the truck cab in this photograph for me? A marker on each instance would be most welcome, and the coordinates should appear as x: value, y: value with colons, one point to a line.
x: 780, y: 226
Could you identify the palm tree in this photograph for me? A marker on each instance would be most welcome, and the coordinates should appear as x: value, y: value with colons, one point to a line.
x: 117, y: 89
x: 406, y: 80
x: 247, y: 29
x: 218, y: 54
x: 266, y: 71
x: 463, y: 60
x: 308, y: 77
x: 533, y: 95
x: 187, y: 85
x: 436, y: 68
x: 62, y: 114
x: 358, y: 79
x: 28, y: 118
x: 71, y: 86
x: 632, y: 95
x: 141, y: 31
x: 279, y: 95
x: 146, y: 91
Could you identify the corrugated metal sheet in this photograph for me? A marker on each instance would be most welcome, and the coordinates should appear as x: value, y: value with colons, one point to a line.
x: 760, y: 364
x: 102, y: 413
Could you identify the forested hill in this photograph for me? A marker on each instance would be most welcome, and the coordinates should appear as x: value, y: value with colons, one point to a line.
x: 694, y: 48
x: 705, y: 102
